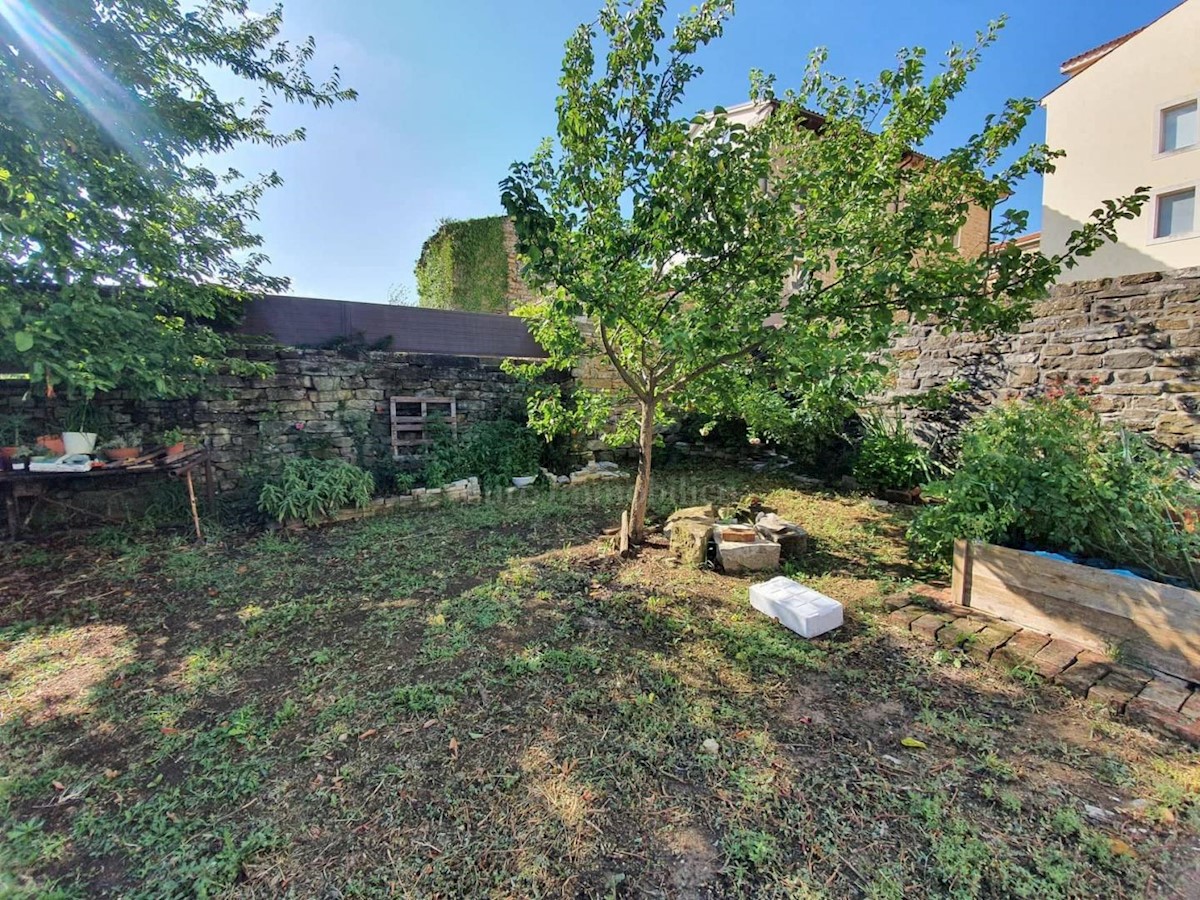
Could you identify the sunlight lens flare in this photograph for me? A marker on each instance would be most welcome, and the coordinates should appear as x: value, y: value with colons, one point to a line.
x: 114, y: 108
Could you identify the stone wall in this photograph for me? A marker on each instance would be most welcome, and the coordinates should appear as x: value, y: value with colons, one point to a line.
x: 311, y: 399
x: 1133, y: 342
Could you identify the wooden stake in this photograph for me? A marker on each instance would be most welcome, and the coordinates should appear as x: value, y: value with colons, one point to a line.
x: 192, y: 500
x: 623, y: 545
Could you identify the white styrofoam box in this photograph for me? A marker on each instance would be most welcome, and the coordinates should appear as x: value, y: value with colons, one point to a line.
x: 800, y: 608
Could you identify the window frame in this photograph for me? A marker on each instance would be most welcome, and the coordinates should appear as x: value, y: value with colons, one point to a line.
x: 1159, y: 131
x: 1194, y: 187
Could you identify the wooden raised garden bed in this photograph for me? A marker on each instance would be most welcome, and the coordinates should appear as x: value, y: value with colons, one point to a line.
x: 1148, y: 622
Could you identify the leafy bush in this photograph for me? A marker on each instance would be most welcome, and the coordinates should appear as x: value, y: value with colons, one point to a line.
x: 494, y: 451
x: 1049, y: 473
x: 390, y: 476
x: 889, y: 458
x: 308, y: 489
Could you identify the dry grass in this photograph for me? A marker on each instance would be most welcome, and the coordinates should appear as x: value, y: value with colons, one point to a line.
x: 493, y: 705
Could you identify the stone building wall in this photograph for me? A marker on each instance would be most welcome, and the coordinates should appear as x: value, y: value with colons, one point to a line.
x: 310, y: 399
x: 1133, y: 342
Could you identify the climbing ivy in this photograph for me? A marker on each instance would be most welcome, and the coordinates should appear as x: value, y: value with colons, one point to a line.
x: 464, y: 265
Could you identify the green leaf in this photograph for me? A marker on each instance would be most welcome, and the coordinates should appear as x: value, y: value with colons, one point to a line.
x: 24, y: 341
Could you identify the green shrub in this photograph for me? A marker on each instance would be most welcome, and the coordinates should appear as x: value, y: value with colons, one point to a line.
x: 889, y: 458
x: 1049, y: 473
x: 390, y: 476
x: 309, y: 489
x: 494, y: 451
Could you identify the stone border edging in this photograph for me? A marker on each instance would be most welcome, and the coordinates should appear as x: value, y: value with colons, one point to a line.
x: 1162, y: 702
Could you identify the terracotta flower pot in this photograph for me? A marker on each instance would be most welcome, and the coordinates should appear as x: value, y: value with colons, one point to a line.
x: 116, y: 454
x: 175, y: 448
x: 53, y: 443
x: 8, y: 452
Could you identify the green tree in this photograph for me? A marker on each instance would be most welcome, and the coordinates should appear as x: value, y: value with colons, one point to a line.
x: 754, y: 268
x: 120, y: 250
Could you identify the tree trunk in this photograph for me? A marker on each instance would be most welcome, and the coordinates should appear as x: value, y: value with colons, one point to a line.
x: 641, y: 487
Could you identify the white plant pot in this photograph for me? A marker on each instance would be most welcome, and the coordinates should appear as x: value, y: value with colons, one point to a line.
x: 79, y: 441
x: 524, y: 480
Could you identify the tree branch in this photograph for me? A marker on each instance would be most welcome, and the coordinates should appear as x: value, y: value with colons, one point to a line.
x: 625, y: 374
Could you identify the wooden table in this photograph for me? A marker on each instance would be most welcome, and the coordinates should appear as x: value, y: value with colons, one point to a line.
x: 36, y: 485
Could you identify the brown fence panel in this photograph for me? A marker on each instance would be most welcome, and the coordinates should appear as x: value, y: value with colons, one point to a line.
x: 309, y: 322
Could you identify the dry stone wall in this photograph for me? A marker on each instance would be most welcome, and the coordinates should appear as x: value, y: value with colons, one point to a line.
x: 1133, y: 342
x: 311, y: 400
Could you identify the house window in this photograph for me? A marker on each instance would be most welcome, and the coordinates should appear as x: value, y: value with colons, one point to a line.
x: 410, y: 420
x: 1175, y: 215
x: 1178, y: 128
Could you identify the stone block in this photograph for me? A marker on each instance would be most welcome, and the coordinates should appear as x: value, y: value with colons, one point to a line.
x: 928, y: 625
x: 689, y: 541
x: 904, y: 617
x: 1089, y: 667
x: 1116, y: 689
x: 803, y: 610
x: 1055, y: 656
x: 981, y: 645
x: 759, y: 556
x: 1020, y: 649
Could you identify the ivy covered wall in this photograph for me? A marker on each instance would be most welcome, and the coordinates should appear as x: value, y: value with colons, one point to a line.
x: 465, y: 266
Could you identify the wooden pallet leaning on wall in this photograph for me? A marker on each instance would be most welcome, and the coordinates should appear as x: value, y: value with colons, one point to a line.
x: 410, y: 416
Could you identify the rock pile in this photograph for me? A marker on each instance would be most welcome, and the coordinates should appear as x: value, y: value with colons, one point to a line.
x: 742, y: 540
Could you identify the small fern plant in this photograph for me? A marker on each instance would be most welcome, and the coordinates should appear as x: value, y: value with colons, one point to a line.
x: 309, y: 489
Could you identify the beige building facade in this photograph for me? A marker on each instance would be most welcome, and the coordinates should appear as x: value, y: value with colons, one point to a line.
x: 1127, y: 117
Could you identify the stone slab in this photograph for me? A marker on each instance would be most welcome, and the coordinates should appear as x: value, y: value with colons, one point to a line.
x: 1055, y: 657
x: 1116, y: 689
x: 903, y: 618
x: 1089, y: 667
x: 1167, y: 692
x: 759, y: 556
x: 929, y: 625
x: 959, y: 629
x: 1020, y: 649
x: 981, y: 645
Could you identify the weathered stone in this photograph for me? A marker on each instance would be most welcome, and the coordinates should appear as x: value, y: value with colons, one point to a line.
x: 1055, y: 656
x: 759, y: 556
x: 928, y: 625
x: 981, y: 645
x: 1019, y: 650
x: 1089, y: 667
x: 1116, y: 689
x: 690, y: 540
x: 904, y: 617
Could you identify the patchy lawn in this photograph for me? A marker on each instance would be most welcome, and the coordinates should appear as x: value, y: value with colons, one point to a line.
x: 483, y: 701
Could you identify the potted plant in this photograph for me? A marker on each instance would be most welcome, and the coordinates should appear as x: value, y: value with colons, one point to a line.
x: 123, y: 446
x: 82, y: 425
x: 52, y: 444
x: 172, y: 441
x: 13, y: 428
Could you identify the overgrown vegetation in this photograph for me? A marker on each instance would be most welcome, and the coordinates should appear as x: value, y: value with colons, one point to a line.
x: 122, y: 253
x: 464, y: 265
x: 1048, y: 473
x: 888, y: 456
x: 494, y: 451
x: 495, y: 705
x: 309, y: 489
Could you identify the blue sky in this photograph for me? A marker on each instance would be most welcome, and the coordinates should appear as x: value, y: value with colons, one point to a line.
x: 452, y: 92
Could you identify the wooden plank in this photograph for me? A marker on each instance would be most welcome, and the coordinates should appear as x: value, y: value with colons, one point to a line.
x: 1088, y: 586
x: 960, y: 584
x: 1154, y: 642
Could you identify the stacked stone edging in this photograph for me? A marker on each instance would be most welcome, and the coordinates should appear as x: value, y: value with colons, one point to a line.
x: 1133, y: 342
x: 1159, y: 701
